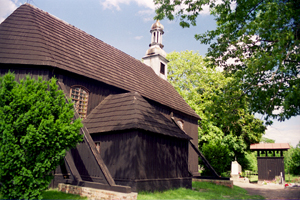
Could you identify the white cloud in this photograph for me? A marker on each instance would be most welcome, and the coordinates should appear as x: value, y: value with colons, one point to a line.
x: 138, y: 37
x: 111, y: 4
x: 6, y: 8
x: 285, y: 132
x: 205, y: 11
x: 148, y: 19
x: 146, y: 12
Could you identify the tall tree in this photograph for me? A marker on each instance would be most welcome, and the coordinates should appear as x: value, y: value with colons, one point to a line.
x: 292, y: 160
x: 213, y: 97
x: 266, y: 140
x: 256, y: 42
x: 36, y: 130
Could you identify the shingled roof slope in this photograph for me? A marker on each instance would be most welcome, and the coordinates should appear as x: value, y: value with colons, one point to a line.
x: 269, y: 146
x: 130, y: 111
x: 32, y: 36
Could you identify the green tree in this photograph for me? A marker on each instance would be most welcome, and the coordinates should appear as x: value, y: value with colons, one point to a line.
x: 292, y: 160
x: 262, y: 37
x: 213, y: 97
x: 36, y: 130
x: 267, y: 140
x: 218, y: 155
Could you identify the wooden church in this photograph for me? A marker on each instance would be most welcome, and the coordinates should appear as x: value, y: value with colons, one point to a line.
x: 137, y: 130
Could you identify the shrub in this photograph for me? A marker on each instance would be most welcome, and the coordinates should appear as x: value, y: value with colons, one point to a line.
x: 35, y: 132
x: 217, y: 155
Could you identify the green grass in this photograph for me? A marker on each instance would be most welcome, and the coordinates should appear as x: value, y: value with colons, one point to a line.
x: 55, y: 194
x: 253, y: 178
x: 289, y: 178
x: 201, y: 190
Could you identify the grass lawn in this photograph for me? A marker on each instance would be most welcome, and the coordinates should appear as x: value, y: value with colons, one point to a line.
x: 54, y: 194
x: 253, y: 178
x: 289, y: 178
x: 201, y: 190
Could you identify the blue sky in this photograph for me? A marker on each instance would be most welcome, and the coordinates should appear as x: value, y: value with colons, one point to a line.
x: 125, y: 24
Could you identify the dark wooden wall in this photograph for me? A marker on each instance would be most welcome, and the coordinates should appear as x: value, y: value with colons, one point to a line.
x: 143, y: 155
x: 98, y: 91
x: 160, y: 156
x: 86, y: 164
x: 269, y: 167
x: 21, y: 71
x: 190, y: 126
x: 145, y: 160
x: 119, y: 153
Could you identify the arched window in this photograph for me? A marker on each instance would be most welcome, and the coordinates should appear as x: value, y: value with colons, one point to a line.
x: 80, y: 97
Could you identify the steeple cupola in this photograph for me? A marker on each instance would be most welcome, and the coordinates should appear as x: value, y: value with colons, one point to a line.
x: 157, y: 30
x: 155, y: 55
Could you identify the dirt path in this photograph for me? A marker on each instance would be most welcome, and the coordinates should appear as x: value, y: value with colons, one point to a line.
x: 270, y: 191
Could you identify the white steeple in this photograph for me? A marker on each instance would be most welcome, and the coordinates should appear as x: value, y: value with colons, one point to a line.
x: 155, y: 55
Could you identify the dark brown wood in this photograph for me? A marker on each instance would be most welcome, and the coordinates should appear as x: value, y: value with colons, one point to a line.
x: 90, y: 143
x: 190, y: 127
x: 137, y: 158
x: 98, y: 158
x: 195, y: 148
x: 269, y: 167
x: 70, y: 162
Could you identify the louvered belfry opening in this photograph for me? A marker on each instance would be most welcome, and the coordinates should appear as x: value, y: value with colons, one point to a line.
x: 80, y: 98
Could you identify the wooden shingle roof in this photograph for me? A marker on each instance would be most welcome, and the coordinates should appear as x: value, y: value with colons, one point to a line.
x: 130, y: 111
x: 34, y: 37
x: 270, y: 146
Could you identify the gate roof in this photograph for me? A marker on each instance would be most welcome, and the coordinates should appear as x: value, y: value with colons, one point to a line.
x: 270, y: 146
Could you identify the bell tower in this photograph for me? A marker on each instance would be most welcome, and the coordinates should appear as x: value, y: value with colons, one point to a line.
x: 155, y: 56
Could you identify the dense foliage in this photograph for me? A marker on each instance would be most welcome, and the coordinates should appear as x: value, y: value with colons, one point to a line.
x: 225, y: 120
x: 292, y: 160
x: 257, y: 43
x: 267, y: 140
x: 36, y: 129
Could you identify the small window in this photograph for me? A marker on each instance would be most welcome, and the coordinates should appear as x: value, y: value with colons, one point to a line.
x: 80, y: 98
x: 98, y: 146
x: 162, y: 68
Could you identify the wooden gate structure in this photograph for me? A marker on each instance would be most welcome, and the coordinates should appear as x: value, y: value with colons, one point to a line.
x: 270, y: 165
